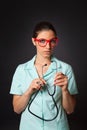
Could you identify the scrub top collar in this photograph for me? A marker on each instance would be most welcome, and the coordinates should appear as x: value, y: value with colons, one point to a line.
x: 55, y: 63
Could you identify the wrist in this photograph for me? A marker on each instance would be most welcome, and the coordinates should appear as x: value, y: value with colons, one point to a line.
x: 65, y: 90
x: 28, y: 92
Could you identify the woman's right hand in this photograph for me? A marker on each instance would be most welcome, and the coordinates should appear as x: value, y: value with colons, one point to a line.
x: 37, y: 84
x: 20, y: 101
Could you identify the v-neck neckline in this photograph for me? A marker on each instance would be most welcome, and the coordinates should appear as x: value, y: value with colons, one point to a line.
x: 41, y: 72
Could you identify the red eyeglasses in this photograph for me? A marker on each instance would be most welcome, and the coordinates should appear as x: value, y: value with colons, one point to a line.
x: 43, y: 42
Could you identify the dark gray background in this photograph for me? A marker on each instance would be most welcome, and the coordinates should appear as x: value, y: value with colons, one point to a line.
x: 16, y: 24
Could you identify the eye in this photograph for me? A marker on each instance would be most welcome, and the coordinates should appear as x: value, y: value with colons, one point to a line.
x: 42, y: 41
x: 53, y: 41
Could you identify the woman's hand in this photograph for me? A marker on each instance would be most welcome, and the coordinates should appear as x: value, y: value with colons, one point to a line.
x: 37, y: 84
x: 68, y: 100
x: 61, y: 80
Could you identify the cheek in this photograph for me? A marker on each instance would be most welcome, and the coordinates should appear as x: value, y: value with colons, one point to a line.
x: 39, y: 49
x: 52, y: 49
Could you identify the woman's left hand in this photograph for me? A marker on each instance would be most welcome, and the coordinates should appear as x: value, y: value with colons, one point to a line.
x: 61, y: 80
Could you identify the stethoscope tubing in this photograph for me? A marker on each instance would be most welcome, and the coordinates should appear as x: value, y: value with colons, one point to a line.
x: 30, y: 102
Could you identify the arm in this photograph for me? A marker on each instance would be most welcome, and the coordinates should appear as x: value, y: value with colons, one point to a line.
x: 20, y: 101
x: 68, y: 100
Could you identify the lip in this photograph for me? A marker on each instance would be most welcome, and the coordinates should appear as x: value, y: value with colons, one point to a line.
x: 47, y: 51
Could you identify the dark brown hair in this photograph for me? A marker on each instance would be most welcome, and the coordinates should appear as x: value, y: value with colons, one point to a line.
x: 43, y: 25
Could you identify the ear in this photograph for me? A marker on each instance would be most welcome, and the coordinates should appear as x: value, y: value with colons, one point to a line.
x: 33, y: 41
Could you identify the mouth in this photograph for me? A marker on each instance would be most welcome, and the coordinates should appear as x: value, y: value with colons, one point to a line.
x: 47, y: 51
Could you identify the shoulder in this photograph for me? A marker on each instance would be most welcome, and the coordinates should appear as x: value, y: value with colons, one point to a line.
x: 26, y: 65
x: 65, y: 67
x: 61, y: 63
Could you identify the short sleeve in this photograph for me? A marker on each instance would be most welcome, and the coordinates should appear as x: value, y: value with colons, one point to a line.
x: 72, y: 85
x: 17, y: 79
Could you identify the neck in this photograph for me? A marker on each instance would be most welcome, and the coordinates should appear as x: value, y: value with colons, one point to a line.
x: 42, y: 60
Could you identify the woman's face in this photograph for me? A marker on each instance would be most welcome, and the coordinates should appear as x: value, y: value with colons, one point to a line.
x: 47, y: 50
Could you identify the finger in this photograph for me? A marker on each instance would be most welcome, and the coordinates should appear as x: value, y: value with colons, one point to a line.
x: 61, y: 82
x: 59, y: 74
x: 43, y: 80
x: 40, y: 84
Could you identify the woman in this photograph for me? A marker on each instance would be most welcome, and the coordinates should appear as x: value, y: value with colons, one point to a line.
x: 44, y: 88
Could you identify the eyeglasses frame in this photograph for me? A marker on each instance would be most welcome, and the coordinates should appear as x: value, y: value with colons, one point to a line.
x: 47, y: 41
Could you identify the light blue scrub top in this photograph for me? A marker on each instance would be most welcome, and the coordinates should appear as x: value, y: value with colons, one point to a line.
x: 43, y: 104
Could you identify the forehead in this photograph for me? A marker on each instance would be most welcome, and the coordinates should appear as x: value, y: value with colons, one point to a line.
x: 46, y: 34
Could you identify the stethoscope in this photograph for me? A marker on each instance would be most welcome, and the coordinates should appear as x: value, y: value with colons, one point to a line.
x: 50, y: 94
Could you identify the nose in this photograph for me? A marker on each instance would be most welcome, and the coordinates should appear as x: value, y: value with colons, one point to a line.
x: 48, y: 45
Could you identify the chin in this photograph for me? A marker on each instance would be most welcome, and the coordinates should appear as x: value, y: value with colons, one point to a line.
x: 47, y: 56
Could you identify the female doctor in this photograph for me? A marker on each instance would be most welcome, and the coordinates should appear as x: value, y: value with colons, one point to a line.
x: 44, y: 88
